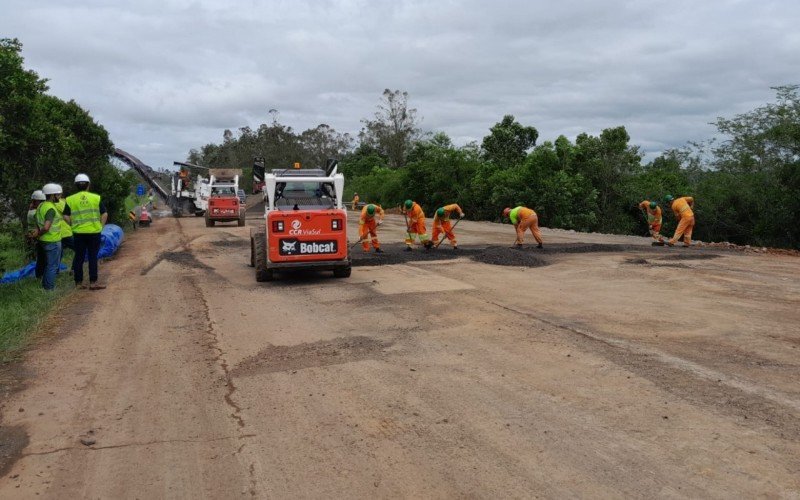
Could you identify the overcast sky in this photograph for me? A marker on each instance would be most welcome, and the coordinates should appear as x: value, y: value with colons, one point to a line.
x: 169, y: 75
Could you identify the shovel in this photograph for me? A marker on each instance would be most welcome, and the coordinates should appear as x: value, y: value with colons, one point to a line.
x: 445, y: 236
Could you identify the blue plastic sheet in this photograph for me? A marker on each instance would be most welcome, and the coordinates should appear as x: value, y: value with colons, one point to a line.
x: 110, y: 240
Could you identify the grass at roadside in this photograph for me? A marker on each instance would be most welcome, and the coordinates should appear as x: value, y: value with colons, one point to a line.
x: 24, y: 304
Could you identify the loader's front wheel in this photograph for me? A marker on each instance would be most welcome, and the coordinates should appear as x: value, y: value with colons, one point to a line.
x: 342, y: 272
x: 209, y: 222
x: 260, y: 256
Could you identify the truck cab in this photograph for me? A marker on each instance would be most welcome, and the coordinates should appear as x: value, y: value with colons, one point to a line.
x: 305, y: 224
x: 223, y: 201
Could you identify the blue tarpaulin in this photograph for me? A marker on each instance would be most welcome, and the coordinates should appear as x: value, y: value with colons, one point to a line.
x: 110, y: 240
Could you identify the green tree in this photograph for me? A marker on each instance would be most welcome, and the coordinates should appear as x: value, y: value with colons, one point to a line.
x: 508, y: 142
x: 393, y: 129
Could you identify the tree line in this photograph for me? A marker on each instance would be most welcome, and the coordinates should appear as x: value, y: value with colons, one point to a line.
x: 746, y: 183
x: 46, y: 139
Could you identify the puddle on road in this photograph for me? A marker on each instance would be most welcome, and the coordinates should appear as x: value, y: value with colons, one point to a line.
x: 323, y: 353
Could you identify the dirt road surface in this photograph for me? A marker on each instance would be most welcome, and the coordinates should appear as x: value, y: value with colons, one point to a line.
x: 599, y: 367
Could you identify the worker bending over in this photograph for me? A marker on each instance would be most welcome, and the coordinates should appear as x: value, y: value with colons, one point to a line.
x: 653, y: 213
x: 524, y: 218
x: 368, y: 227
x: 415, y: 219
x: 682, y: 208
x: 441, y: 223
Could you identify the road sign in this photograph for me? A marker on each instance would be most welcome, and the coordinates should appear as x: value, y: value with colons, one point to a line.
x: 140, y: 190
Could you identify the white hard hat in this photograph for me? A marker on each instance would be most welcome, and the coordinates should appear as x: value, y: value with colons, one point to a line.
x: 38, y: 195
x: 51, y: 188
x: 81, y: 178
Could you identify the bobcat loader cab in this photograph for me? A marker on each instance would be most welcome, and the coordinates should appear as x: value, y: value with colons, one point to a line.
x: 305, y: 224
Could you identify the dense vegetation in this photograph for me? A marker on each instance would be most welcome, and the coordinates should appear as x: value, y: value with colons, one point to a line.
x: 45, y: 139
x: 746, y: 187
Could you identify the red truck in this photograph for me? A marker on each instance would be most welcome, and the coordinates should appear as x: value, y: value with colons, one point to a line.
x: 305, y: 225
x: 223, y: 202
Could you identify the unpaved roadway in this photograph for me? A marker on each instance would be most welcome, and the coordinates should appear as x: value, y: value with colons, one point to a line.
x: 600, y: 367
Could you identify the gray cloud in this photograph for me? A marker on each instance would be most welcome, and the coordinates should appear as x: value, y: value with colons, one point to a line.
x: 167, y: 76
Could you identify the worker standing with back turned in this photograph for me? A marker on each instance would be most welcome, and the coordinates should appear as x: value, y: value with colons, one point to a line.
x: 653, y: 213
x: 87, y: 215
x: 441, y: 223
x: 356, y: 199
x: 37, y: 198
x: 523, y: 219
x: 682, y: 208
x: 371, y: 218
x: 415, y: 218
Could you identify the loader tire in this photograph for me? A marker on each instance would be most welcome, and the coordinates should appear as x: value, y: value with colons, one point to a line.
x: 241, y: 220
x: 260, y: 256
x: 209, y: 222
x: 342, y: 272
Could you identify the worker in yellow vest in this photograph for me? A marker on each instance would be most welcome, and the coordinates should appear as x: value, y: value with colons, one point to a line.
x: 48, y: 231
x: 32, y: 236
x: 87, y: 215
x: 67, y: 241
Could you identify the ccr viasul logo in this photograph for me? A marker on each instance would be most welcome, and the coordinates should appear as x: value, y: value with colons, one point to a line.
x: 296, y: 224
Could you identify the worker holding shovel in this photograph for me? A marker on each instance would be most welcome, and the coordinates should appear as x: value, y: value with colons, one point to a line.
x: 415, y: 220
x: 652, y: 211
x: 441, y: 224
x: 371, y: 218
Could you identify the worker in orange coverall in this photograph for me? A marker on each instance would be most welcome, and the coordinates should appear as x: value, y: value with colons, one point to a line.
x: 653, y: 213
x: 441, y: 223
x: 523, y: 219
x: 415, y: 218
x: 682, y: 208
x: 368, y: 227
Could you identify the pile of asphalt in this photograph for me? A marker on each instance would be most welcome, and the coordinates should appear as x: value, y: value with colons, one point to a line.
x: 526, y: 256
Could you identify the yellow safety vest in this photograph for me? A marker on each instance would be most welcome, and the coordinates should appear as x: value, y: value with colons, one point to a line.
x: 53, y: 234
x: 514, y: 215
x: 66, y: 230
x: 85, y: 212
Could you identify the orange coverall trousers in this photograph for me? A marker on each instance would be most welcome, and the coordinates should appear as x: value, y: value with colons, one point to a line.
x: 417, y: 228
x: 685, y: 228
x: 530, y: 222
x: 444, y: 227
x: 369, y: 228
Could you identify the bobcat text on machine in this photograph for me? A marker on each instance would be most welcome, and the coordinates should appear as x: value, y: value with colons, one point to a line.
x: 224, y: 204
x: 305, y: 224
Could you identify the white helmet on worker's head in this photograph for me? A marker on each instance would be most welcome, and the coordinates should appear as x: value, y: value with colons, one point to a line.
x: 38, y: 195
x: 51, y: 188
x: 81, y: 178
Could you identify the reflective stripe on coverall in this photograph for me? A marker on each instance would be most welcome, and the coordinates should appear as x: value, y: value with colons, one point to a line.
x: 653, y: 219
x: 416, y: 225
x: 368, y: 226
x: 443, y: 225
x: 524, y: 218
x: 682, y: 207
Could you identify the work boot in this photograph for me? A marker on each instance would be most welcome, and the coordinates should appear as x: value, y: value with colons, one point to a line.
x: 96, y: 286
x: 658, y: 243
x: 378, y: 250
x: 81, y: 286
x: 455, y: 247
x: 428, y: 245
x: 408, y: 249
x: 539, y: 246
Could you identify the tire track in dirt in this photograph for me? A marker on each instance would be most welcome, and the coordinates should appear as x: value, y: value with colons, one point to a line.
x: 689, y: 380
